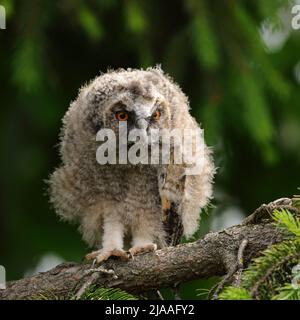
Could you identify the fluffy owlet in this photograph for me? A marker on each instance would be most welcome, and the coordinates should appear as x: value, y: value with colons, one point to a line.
x: 141, y: 206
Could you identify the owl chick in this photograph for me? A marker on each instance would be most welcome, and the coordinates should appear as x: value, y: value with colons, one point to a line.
x: 140, y: 207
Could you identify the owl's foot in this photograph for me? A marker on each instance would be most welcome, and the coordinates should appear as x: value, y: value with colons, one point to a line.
x: 100, y: 255
x: 142, y: 249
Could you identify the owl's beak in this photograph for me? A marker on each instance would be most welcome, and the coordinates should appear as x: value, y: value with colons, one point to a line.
x: 142, y: 124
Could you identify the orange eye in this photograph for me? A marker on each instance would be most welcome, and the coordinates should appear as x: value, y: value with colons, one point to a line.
x: 122, y: 115
x: 156, y: 115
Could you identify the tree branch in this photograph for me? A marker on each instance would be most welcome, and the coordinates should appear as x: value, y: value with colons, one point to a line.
x: 217, y: 254
x: 214, y: 255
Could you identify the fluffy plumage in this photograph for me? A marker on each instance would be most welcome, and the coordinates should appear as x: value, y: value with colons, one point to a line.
x: 145, y: 205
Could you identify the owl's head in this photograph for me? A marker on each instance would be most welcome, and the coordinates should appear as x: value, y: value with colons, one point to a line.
x: 144, y: 99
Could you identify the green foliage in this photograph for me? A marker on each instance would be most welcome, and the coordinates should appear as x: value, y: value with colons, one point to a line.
x: 285, y: 220
x: 91, y: 293
x: 234, y: 293
x: 135, y: 17
x: 203, y: 36
x: 287, y: 292
x: 243, y: 95
x: 90, y: 23
x: 107, y: 294
x: 267, y: 276
x: 257, y: 117
x: 26, y: 60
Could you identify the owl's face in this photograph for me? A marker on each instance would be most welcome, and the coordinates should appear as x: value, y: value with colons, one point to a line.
x: 138, y: 103
x: 138, y: 112
x: 146, y: 101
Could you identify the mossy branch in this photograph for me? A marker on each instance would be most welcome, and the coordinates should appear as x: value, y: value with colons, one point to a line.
x: 214, y: 255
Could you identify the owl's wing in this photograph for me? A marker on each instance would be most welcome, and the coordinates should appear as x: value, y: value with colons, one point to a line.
x: 172, y: 222
x: 171, y: 187
x: 183, y: 196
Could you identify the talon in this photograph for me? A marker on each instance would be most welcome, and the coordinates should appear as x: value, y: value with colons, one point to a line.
x: 123, y: 255
x: 92, y: 255
x: 131, y: 254
x: 151, y: 247
x: 100, y: 255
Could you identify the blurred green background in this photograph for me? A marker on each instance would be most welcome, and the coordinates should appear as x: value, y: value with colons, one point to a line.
x: 237, y: 60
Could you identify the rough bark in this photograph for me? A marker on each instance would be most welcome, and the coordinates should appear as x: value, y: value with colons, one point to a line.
x: 214, y: 255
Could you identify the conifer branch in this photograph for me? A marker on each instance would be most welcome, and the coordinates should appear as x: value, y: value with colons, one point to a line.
x: 214, y: 255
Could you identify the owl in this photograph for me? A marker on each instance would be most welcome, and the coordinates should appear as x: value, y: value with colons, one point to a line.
x: 124, y: 209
